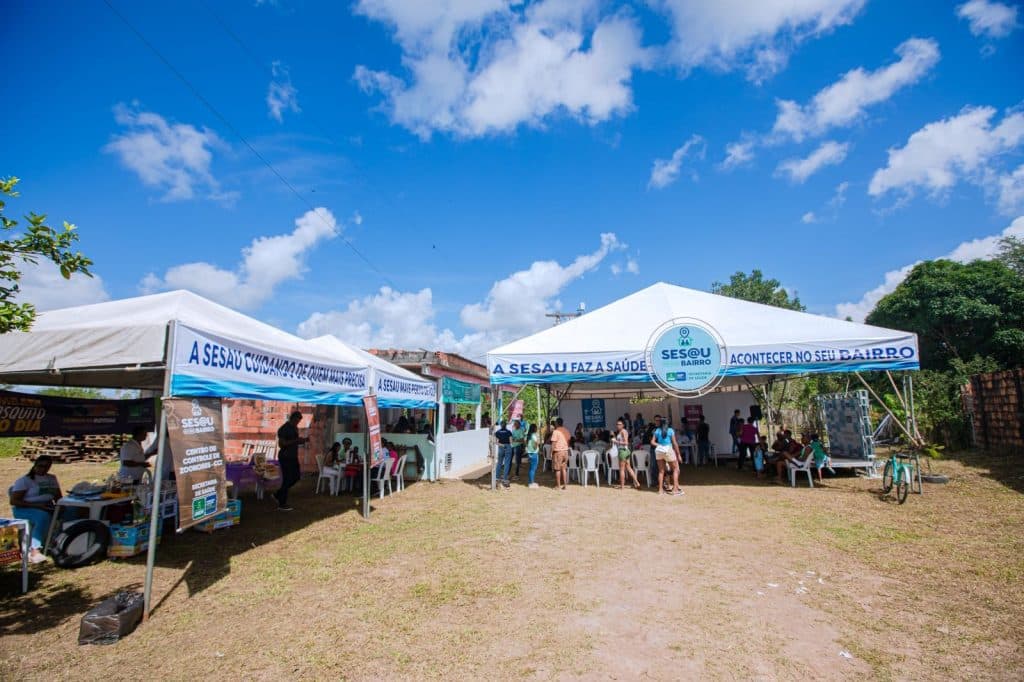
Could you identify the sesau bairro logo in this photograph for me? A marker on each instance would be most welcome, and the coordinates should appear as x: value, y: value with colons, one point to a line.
x: 685, y: 358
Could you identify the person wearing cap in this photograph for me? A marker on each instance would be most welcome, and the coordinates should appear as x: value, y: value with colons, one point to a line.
x: 666, y: 453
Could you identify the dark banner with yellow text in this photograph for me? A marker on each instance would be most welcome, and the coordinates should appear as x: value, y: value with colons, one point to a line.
x: 26, y: 414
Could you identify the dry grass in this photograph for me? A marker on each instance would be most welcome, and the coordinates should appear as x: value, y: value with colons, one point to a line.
x: 736, y: 580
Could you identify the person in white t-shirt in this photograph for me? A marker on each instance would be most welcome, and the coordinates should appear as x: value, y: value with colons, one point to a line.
x: 133, y: 460
x: 33, y: 497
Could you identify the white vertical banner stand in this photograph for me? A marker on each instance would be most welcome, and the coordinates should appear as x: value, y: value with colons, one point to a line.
x: 161, y: 452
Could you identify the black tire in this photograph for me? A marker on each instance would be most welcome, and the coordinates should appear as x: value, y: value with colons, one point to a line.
x: 96, y: 549
x: 887, y: 477
x: 903, y: 486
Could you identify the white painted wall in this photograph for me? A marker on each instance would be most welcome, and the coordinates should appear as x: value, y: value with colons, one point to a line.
x: 468, y: 451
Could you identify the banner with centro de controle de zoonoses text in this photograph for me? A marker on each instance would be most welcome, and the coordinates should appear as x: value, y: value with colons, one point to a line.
x: 206, y: 364
x: 196, y: 437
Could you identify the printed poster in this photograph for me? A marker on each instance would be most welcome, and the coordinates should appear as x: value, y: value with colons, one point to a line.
x: 593, y: 413
x: 196, y: 436
x: 373, y: 423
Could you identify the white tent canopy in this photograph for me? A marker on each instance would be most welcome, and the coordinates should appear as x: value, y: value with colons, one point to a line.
x: 394, y: 385
x: 604, y: 351
x: 216, y: 351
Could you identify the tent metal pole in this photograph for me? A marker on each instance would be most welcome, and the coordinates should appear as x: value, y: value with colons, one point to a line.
x: 366, y: 462
x: 910, y: 410
x: 439, y: 422
x: 161, y: 452
x: 913, y: 440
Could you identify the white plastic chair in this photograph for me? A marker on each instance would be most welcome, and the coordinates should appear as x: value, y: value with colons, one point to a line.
x: 574, y: 465
x: 329, y: 474
x: 399, y: 474
x: 547, y: 458
x: 796, y: 466
x: 590, y: 467
x: 611, y: 463
x: 383, y: 476
x: 641, y: 458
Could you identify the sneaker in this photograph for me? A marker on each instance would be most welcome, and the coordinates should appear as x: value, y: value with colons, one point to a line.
x: 678, y: 493
x: 284, y: 507
x: 533, y: 485
x: 36, y: 557
x: 506, y: 484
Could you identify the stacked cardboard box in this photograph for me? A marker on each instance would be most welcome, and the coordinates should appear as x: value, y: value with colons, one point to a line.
x: 231, y: 517
x: 129, y: 540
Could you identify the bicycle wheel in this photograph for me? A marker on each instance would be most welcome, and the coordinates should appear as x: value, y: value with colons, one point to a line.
x: 887, y: 478
x: 903, y: 486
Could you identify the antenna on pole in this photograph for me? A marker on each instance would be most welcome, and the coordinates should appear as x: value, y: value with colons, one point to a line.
x: 562, y: 317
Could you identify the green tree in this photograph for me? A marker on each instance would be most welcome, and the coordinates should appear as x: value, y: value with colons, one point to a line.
x: 71, y: 392
x: 958, y: 311
x: 1011, y: 254
x: 18, y: 247
x: 754, y: 287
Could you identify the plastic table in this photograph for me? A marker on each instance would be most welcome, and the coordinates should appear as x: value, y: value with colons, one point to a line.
x: 24, y: 532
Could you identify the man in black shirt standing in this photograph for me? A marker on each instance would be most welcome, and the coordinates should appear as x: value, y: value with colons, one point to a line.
x: 288, y: 442
x: 504, y: 438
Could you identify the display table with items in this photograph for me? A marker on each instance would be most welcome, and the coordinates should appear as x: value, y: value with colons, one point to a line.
x: 116, y: 520
x: 14, y: 546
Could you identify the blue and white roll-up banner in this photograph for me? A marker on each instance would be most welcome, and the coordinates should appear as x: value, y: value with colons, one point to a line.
x: 792, y: 358
x: 396, y: 391
x: 206, y: 364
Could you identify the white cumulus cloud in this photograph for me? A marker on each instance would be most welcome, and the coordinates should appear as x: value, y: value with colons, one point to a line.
x: 1011, y: 191
x: 757, y: 37
x: 479, y: 68
x: 43, y: 286
x: 809, y: 218
x: 515, y: 306
x: 174, y: 158
x: 988, y: 18
x: 282, y: 96
x: 966, y: 146
x: 846, y: 100
x: 666, y: 171
x: 738, y: 154
x: 965, y: 252
x: 266, y: 263
x: 828, y: 154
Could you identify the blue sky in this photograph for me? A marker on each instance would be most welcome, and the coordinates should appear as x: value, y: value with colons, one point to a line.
x: 474, y: 164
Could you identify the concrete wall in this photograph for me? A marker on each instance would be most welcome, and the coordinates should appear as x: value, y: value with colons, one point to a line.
x: 467, y: 449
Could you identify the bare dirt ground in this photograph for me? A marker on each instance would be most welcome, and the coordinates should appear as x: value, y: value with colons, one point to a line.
x: 737, y: 579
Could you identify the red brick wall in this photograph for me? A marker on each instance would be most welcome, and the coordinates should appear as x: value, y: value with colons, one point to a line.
x: 996, y: 403
x: 260, y: 420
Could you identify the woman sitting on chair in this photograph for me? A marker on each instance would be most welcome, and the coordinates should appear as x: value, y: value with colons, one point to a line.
x: 33, y: 498
x: 795, y: 452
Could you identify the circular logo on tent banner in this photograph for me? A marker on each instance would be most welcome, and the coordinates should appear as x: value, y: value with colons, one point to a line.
x: 686, y: 357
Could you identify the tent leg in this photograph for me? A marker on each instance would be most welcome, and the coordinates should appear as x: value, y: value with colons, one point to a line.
x: 161, y: 452
x: 155, y: 516
x: 366, y: 468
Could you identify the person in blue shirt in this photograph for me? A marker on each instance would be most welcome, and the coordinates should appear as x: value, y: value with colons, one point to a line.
x: 504, y: 438
x: 666, y: 453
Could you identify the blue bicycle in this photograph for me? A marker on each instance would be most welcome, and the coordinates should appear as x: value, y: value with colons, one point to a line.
x: 899, y: 473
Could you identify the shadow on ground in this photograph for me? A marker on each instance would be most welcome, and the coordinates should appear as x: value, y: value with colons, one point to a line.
x: 203, y: 560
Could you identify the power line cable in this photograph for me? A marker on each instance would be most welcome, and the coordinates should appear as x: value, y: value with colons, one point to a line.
x: 260, y: 64
x: 223, y: 119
